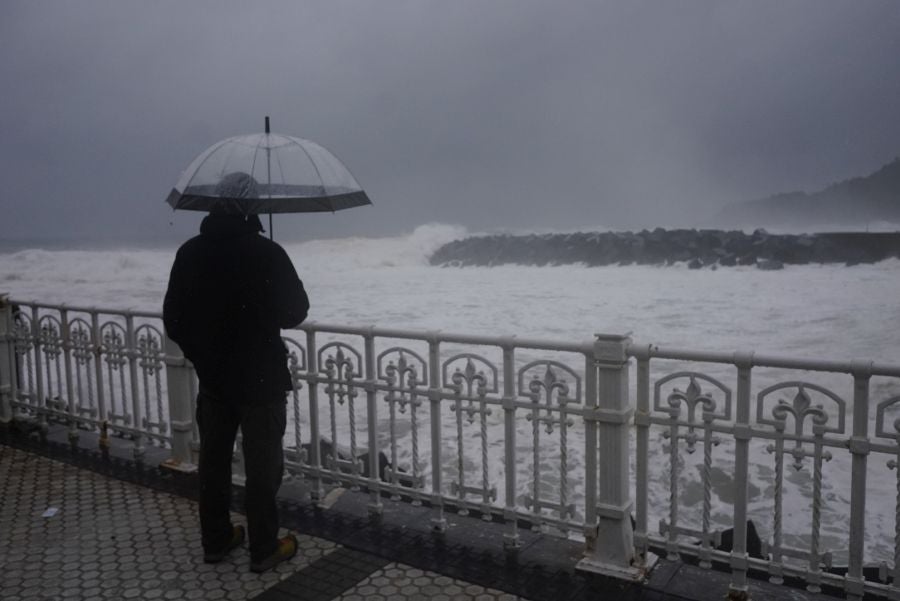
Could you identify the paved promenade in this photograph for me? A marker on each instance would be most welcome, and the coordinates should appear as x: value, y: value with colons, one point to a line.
x: 77, y: 525
x: 70, y: 533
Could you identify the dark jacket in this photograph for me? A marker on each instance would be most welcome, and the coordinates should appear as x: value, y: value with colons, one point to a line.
x: 231, y: 291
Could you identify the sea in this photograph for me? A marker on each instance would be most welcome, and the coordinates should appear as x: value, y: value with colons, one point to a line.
x: 805, y: 311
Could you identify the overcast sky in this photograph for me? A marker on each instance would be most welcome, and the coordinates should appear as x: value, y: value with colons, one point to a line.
x: 490, y: 114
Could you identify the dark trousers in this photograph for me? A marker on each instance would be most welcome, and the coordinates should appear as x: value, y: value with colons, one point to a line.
x: 262, y: 427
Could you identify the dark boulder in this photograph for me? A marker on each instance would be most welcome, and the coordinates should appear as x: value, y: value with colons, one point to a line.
x: 770, y: 265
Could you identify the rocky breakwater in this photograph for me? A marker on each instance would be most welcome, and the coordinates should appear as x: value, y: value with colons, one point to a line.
x: 696, y: 248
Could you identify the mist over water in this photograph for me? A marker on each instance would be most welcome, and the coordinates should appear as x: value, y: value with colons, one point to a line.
x: 812, y: 310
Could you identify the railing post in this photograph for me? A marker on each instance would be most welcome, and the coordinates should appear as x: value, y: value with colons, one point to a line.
x: 181, y: 418
x: 131, y: 345
x: 69, y: 403
x: 854, y: 585
x: 439, y: 523
x: 510, y: 539
x: 612, y: 549
x: 738, y: 588
x: 7, y: 358
x: 98, y: 366
x: 590, y: 452
x: 40, y: 401
x: 375, y: 507
x: 316, y: 492
x: 642, y: 448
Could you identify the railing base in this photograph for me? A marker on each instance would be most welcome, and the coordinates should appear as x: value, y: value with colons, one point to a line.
x: 330, y: 498
x: 632, y: 573
x: 181, y: 467
x: 737, y: 595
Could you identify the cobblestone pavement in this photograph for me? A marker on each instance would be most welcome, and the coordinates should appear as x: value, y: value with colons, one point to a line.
x: 70, y: 533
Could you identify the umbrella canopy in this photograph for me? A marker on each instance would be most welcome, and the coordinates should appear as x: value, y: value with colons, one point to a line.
x: 266, y: 173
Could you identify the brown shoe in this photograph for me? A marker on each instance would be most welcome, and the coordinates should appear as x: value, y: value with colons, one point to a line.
x: 237, y: 538
x: 287, y: 548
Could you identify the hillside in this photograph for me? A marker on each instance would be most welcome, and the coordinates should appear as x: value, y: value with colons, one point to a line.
x: 856, y: 201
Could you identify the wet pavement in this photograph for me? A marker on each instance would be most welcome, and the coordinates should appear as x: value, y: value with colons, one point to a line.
x: 70, y: 533
x: 76, y: 523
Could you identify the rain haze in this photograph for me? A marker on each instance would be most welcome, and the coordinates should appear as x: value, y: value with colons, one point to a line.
x: 491, y: 115
x: 465, y: 121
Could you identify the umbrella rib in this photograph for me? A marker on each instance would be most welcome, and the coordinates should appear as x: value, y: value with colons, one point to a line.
x: 227, y: 159
x: 255, y: 152
x: 203, y: 162
x: 347, y: 169
x: 316, y: 167
x: 280, y: 170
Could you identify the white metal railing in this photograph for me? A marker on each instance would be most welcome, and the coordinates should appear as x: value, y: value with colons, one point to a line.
x: 519, y: 431
x: 88, y: 368
x: 504, y: 427
x: 791, y: 425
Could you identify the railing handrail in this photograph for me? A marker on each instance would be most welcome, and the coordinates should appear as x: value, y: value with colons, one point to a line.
x: 511, y: 341
x: 751, y: 359
x: 83, y: 309
x: 634, y: 349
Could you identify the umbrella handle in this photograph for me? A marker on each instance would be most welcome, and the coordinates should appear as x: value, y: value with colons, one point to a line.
x: 271, y: 234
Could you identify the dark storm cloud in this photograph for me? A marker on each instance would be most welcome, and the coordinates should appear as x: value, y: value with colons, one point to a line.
x: 491, y: 114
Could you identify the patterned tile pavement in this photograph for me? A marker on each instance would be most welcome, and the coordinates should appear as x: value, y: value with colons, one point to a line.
x: 399, y: 582
x: 109, y: 539
x: 70, y: 533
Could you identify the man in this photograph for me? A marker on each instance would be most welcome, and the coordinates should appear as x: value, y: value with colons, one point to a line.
x: 231, y: 291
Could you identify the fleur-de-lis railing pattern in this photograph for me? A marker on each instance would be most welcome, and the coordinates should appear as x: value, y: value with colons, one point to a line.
x: 806, y: 419
x: 149, y: 355
x: 23, y: 346
x: 114, y: 349
x: 297, y: 366
x: 404, y: 373
x: 50, y: 336
x: 91, y: 370
x: 443, y: 417
x: 470, y: 386
x: 682, y: 407
x: 340, y: 364
x: 551, y: 399
x: 802, y: 425
x: 50, y: 339
x: 80, y: 375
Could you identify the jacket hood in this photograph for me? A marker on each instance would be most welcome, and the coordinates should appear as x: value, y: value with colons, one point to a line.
x: 230, y: 225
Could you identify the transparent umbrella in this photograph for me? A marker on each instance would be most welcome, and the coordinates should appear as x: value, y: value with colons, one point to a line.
x: 266, y: 173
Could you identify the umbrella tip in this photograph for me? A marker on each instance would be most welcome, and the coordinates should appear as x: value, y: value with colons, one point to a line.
x: 267, y: 124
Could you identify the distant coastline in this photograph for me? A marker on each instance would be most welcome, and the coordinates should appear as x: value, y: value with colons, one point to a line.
x: 853, y: 202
